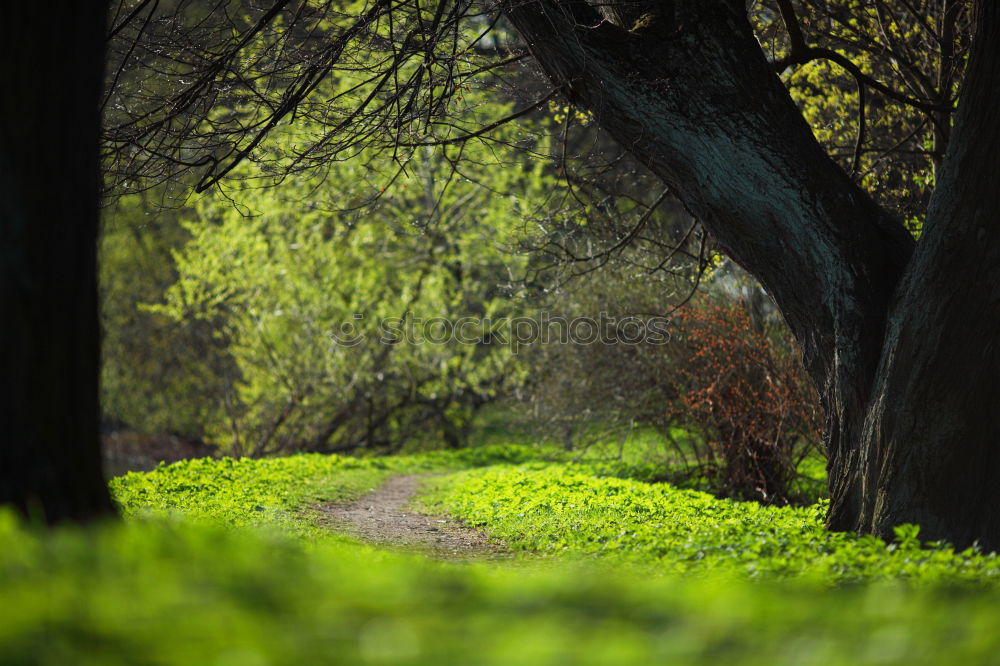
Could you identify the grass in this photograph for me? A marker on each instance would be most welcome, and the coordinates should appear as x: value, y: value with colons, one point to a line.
x: 220, y: 563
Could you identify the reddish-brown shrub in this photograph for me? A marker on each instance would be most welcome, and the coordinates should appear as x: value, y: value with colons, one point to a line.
x: 744, y: 388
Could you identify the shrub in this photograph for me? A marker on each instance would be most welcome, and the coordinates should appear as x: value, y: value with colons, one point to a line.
x: 336, y: 298
x: 741, y: 385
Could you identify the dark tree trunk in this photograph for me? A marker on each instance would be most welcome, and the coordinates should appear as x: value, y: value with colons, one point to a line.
x: 932, y: 440
x: 50, y: 462
x: 687, y: 89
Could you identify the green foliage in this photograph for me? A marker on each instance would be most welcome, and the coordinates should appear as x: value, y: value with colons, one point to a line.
x: 181, y: 594
x: 567, y: 509
x: 156, y: 376
x: 249, y: 492
x: 325, y: 291
x: 179, y: 583
x: 916, y: 50
x: 245, y: 492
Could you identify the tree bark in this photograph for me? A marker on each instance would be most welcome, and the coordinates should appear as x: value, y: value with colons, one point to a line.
x: 687, y: 89
x: 931, y: 443
x: 50, y: 462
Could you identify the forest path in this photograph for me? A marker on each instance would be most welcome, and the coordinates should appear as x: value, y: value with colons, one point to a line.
x: 382, y: 518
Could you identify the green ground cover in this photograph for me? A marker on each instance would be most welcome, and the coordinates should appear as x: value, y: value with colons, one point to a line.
x: 581, y: 510
x: 220, y: 562
x: 643, y: 453
x: 274, y: 492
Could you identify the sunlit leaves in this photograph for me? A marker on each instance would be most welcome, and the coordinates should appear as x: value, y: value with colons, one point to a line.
x: 566, y: 509
x: 306, y: 284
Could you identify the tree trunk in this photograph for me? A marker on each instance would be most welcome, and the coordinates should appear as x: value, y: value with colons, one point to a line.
x: 687, y: 89
x: 50, y: 462
x: 932, y: 439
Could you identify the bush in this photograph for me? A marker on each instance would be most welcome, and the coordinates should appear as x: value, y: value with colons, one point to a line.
x: 325, y: 293
x: 721, y: 402
x: 585, y: 393
x: 745, y: 390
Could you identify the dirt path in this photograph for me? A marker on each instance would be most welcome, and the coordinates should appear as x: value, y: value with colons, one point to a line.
x: 381, y: 517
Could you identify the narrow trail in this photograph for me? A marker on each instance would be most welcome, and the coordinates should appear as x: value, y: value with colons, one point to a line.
x: 381, y: 517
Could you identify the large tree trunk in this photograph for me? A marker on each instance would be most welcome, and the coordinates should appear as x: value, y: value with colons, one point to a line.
x: 687, y: 89
x: 931, y: 449
x: 50, y: 463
